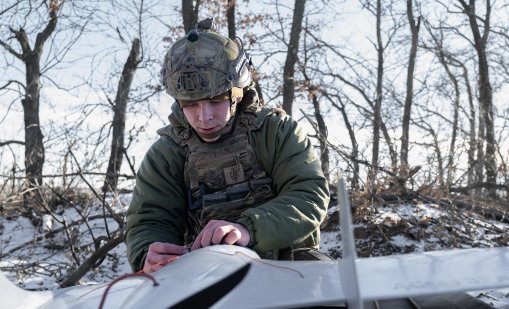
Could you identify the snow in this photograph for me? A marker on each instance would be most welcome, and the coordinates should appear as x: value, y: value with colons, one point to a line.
x: 41, y: 264
x: 36, y: 260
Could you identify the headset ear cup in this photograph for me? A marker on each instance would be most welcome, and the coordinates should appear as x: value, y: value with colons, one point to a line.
x: 244, y: 78
x: 242, y: 68
x: 248, y: 99
x: 250, y: 96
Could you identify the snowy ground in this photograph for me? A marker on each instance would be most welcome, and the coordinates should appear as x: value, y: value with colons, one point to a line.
x: 35, y: 262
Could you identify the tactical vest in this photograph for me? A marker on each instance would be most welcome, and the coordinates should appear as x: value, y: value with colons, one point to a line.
x: 224, y: 178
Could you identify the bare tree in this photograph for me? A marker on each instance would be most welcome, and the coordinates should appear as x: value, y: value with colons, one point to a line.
x: 357, y: 76
x: 437, y: 151
x: 122, y: 87
x: 232, y: 34
x: 377, y: 115
x: 414, y: 30
x: 119, y: 118
x: 471, y: 120
x: 30, y: 55
x: 337, y: 102
x: 480, y: 40
x: 321, y: 127
x: 31, y: 58
x: 291, y: 56
x: 448, y: 62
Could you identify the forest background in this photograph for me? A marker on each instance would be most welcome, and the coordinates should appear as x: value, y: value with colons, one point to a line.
x: 406, y: 99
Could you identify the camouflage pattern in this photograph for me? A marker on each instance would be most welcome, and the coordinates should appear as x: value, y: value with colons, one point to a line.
x: 204, y: 64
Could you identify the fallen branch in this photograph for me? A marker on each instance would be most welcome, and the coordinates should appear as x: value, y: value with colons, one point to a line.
x: 479, y: 185
x: 91, y: 262
x: 492, y: 213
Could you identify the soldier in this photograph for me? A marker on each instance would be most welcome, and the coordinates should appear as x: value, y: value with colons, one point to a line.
x: 226, y: 170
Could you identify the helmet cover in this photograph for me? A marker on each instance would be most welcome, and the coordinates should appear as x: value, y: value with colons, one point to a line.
x: 204, y: 64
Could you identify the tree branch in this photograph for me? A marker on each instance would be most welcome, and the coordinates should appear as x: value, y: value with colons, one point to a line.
x: 10, y: 50
x: 12, y: 82
x: 91, y: 262
x: 50, y: 27
x: 11, y: 142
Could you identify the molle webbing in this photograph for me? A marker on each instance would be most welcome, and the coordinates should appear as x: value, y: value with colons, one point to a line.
x: 224, y: 177
x: 217, y: 165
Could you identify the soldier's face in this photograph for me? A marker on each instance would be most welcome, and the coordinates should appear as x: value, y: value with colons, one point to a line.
x: 208, y: 117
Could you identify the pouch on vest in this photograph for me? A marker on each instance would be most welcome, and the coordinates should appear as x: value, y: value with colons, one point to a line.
x: 229, y: 203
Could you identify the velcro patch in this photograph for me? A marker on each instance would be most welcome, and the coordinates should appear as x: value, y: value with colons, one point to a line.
x: 233, y: 174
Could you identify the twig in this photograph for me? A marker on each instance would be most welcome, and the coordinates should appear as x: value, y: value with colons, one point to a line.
x: 47, y: 235
x: 113, y: 214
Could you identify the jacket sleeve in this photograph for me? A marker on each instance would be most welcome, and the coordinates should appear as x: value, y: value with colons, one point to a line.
x: 302, y: 192
x: 157, y: 211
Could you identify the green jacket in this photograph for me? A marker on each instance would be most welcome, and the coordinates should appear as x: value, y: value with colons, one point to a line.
x: 158, y: 210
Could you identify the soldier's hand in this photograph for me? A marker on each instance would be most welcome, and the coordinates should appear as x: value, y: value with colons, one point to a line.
x: 160, y: 254
x: 221, y: 232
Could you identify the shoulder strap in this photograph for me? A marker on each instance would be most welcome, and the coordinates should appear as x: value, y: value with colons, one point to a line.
x: 253, y: 117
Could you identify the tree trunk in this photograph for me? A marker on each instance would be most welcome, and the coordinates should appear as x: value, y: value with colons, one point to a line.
x: 353, y: 141
x: 392, y: 152
x: 444, y: 61
x: 440, y: 161
x: 379, y: 95
x: 232, y: 34
x: 322, y: 137
x: 34, y: 147
x: 120, y: 107
x: 190, y: 14
x: 452, y: 149
x: 414, y: 29
x: 291, y: 57
x: 479, y: 168
x: 485, y: 90
x: 471, y: 138
x: 230, y: 16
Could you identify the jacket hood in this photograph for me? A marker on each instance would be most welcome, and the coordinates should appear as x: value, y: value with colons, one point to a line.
x: 177, y: 116
x: 178, y: 127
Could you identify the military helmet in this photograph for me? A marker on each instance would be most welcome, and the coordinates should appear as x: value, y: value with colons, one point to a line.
x: 204, y: 64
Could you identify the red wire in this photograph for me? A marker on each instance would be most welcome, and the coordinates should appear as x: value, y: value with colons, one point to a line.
x: 141, y: 273
x: 123, y: 277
